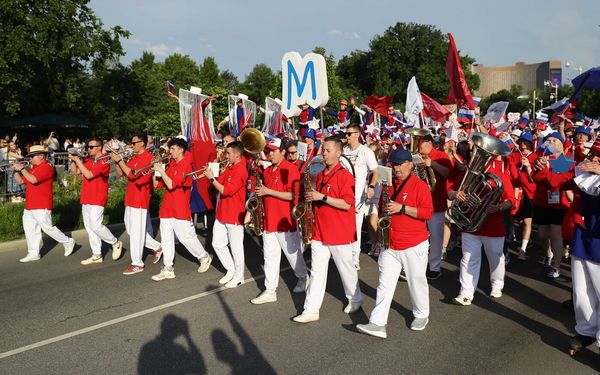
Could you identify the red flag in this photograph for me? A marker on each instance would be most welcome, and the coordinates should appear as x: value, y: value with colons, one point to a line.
x: 379, y: 105
x: 459, y: 91
x: 203, y: 151
x: 433, y: 109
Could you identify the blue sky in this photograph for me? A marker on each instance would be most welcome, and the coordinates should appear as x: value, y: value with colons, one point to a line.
x: 241, y: 34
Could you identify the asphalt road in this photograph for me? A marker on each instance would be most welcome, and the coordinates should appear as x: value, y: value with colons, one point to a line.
x: 63, y: 318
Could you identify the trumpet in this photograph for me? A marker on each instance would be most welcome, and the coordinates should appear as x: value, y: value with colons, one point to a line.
x: 148, y: 168
x: 7, y: 165
x: 73, y: 151
x: 199, y: 173
x: 105, y: 159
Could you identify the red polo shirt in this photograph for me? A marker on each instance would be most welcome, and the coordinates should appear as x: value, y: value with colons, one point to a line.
x: 522, y: 179
x: 440, y: 193
x: 231, y: 207
x: 94, y: 191
x: 39, y: 195
x: 139, y: 188
x: 296, y: 163
x: 333, y: 226
x: 176, y: 201
x: 494, y: 224
x: 278, y: 217
x: 407, y: 231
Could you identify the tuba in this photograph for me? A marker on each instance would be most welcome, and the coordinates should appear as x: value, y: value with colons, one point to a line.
x: 424, y: 173
x: 469, y: 215
x: 303, y: 212
x: 385, y: 221
x: 254, y: 143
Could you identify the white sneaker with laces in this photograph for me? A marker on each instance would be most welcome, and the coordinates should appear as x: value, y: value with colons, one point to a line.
x: 352, y: 307
x: 93, y: 259
x: 205, y: 263
x: 227, y: 278
x: 69, y: 247
x: 419, y: 324
x: 164, y: 274
x: 117, y: 248
x: 306, y: 317
x: 233, y: 283
x: 372, y: 329
x: 29, y: 258
x: 265, y: 297
x: 462, y: 301
x: 496, y: 293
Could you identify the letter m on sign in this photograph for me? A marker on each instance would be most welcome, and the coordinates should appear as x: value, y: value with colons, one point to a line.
x: 304, y: 80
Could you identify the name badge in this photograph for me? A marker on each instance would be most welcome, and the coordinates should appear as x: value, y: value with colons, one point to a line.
x: 553, y: 197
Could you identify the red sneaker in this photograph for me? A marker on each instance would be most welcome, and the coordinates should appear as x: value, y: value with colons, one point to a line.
x: 157, y: 255
x: 132, y: 269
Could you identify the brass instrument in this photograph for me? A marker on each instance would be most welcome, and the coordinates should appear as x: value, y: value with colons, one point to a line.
x: 385, y: 221
x: 424, y: 173
x: 7, y: 165
x: 199, y: 173
x: 159, y: 157
x: 303, y: 212
x: 469, y: 215
x: 126, y: 153
x: 254, y: 142
x: 73, y: 151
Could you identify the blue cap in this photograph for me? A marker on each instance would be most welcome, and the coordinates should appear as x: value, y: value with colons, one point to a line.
x: 583, y: 130
x: 310, y: 133
x: 526, y: 137
x: 399, y: 156
x: 556, y: 135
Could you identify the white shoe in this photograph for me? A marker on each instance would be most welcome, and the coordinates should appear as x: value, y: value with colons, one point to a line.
x: 233, y: 283
x: 372, y: 329
x: 264, y: 297
x: 306, y: 318
x: 205, y: 263
x: 496, y: 293
x: 69, y: 247
x: 227, y: 278
x: 117, y: 248
x: 461, y: 301
x: 29, y: 258
x: 352, y: 307
x: 301, y: 285
x: 93, y: 259
x: 164, y: 274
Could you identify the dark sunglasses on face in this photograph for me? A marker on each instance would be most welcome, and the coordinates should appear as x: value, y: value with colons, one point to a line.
x: 89, y: 147
x: 350, y: 133
x: 134, y: 142
x: 292, y: 152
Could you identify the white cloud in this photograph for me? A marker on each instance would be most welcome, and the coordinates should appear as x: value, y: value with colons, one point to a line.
x: 159, y: 49
x: 335, y: 32
x: 344, y: 34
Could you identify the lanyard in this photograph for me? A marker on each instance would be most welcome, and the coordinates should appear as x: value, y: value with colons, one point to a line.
x: 323, y: 183
x: 397, y: 191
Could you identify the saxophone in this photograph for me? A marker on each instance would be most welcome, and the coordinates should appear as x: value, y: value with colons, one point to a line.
x: 255, y: 206
x: 384, y: 223
x: 303, y: 213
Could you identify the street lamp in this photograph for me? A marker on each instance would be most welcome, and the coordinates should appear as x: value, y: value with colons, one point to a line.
x: 555, y: 87
x: 578, y: 69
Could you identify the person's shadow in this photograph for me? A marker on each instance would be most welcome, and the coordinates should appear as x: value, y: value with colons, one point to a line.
x: 164, y: 356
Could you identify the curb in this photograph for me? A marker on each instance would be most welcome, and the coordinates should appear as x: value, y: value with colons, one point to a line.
x: 80, y: 236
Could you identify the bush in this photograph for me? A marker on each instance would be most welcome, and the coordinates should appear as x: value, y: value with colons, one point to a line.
x: 66, y: 214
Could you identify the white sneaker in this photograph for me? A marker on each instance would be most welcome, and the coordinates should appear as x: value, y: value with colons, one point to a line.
x: 352, y: 307
x: 301, y: 285
x: 164, y: 274
x: 264, y: 297
x: 93, y: 259
x: 233, y: 283
x: 29, y: 258
x: 496, y: 293
x: 461, y: 301
x: 69, y: 247
x: 117, y: 248
x: 306, y: 318
x: 372, y: 329
x: 205, y: 263
x: 227, y: 278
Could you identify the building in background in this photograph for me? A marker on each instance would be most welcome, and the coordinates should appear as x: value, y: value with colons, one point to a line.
x: 528, y: 76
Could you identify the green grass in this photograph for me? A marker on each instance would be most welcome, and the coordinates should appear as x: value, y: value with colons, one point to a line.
x: 66, y: 214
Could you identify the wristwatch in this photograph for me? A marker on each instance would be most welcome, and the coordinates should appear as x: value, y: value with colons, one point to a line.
x: 402, y: 209
x: 212, y: 179
x: 324, y: 199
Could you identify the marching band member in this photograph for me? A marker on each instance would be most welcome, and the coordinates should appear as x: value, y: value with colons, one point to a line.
x: 365, y: 162
x: 279, y: 191
x: 306, y: 119
x: 333, y: 199
x: 491, y: 236
x: 229, y: 224
x: 292, y: 154
x: 94, y: 194
x: 137, y: 202
x: 343, y: 115
x: 37, y: 216
x: 410, y: 207
x: 175, y: 213
x: 441, y: 165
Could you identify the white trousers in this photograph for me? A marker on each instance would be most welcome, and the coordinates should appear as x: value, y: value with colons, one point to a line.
x: 470, y: 264
x: 97, y: 232
x: 436, y: 237
x: 186, y: 234
x: 273, y: 244
x: 232, y: 235
x: 414, y: 262
x: 36, y: 221
x: 139, y: 228
x: 361, y: 209
x: 342, y: 257
x: 586, y: 297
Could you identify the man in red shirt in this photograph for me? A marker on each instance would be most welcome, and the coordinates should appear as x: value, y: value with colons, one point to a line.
x: 175, y: 212
x: 491, y: 237
x: 410, y: 207
x: 37, y: 215
x: 229, y: 220
x: 333, y: 203
x: 94, y: 193
x: 441, y: 165
x: 137, y: 202
x: 279, y: 191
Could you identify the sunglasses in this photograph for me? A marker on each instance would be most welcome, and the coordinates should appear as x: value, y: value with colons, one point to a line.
x: 350, y: 133
x: 292, y: 152
x: 89, y: 147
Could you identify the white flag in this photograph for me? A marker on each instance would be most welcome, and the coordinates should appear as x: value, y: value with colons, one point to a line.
x: 414, y: 103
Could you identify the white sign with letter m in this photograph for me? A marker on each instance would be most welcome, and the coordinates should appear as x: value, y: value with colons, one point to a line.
x: 304, y: 80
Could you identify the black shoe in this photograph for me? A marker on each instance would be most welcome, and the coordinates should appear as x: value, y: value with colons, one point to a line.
x: 433, y: 275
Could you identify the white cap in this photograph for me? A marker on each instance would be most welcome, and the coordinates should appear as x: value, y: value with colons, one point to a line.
x: 516, y: 132
x: 195, y: 90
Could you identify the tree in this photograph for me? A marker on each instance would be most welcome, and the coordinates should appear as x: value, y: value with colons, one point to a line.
x: 209, y: 74
x: 260, y: 83
x: 48, y: 48
x: 230, y: 81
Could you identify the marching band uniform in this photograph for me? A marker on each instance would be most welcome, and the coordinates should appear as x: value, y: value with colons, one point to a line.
x: 37, y: 216
x: 343, y: 115
x: 407, y: 251
x: 306, y: 119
